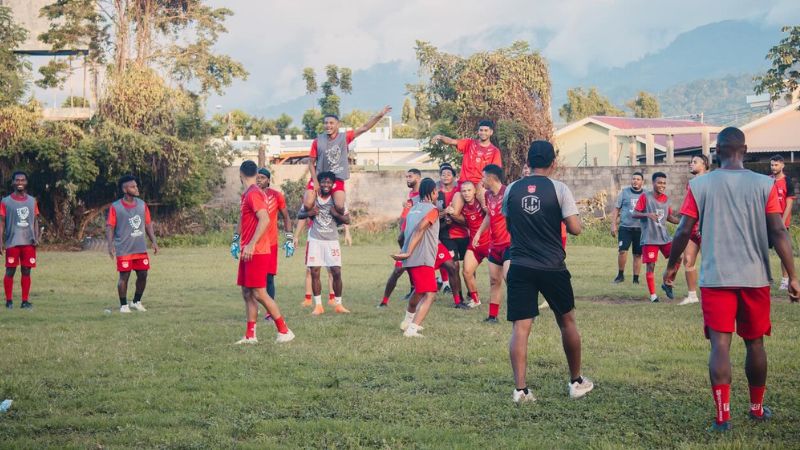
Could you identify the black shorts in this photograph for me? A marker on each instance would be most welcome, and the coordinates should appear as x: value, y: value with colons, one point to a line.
x: 498, y: 256
x: 457, y: 247
x: 524, y: 285
x: 630, y: 236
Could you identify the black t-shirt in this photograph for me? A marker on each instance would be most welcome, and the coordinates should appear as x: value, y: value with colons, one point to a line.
x: 534, y: 207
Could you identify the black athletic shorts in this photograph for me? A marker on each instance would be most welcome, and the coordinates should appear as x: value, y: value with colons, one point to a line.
x: 630, y: 236
x: 524, y: 285
x: 458, y: 247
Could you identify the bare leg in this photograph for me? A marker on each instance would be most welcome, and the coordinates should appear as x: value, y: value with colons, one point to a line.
x: 339, y: 198
x: 413, y: 302
x: 309, y: 198
x: 755, y: 363
x: 250, y: 304
x: 141, y: 283
x: 689, y: 260
x: 637, y: 265
x: 518, y: 351
x: 423, y: 307
x: 122, y: 284
x: 260, y: 295
x: 495, y: 284
x: 316, y: 284
x: 470, y: 267
x: 455, y: 281
x: 719, y: 360
x: 391, y: 283
x: 571, y: 341
x: 622, y: 259
x: 336, y: 275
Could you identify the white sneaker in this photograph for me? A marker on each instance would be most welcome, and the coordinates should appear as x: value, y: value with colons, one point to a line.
x: 689, y: 301
x: 522, y: 397
x: 784, y: 284
x: 124, y: 309
x: 413, y: 331
x: 578, y: 390
x: 406, y: 322
x: 653, y: 298
x: 245, y: 340
x: 284, y: 337
x: 474, y: 304
x: 138, y: 306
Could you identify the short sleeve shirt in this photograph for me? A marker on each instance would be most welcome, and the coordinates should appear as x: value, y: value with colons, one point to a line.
x: 475, y: 158
x: 350, y: 136
x: 253, y: 200
x: 275, y: 203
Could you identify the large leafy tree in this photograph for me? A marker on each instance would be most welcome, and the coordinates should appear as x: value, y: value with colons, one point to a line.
x: 13, y: 68
x: 582, y: 104
x: 336, y: 77
x: 783, y: 77
x: 644, y: 105
x: 510, y: 86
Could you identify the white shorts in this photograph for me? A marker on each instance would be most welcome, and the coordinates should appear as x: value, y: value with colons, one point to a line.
x: 323, y: 254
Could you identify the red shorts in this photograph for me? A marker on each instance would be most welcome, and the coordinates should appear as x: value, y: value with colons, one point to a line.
x: 253, y: 273
x: 696, y: 239
x: 423, y: 278
x: 650, y: 252
x: 133, y: 262
x: 442, y: 256
x: 272, y: 260
x: 480, y: 253
x: 744, y: 310
x: 338, y: 185
x: 24, y: 255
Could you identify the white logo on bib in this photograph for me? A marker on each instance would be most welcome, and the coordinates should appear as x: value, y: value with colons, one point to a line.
x: 136, y: 223
x: 333, y: 155
x: 23, y: 214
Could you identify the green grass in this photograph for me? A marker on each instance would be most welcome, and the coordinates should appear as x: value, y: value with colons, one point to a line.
x: 171, y: 378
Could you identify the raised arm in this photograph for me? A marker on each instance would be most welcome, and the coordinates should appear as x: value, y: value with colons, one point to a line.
x: 372, y: 121
x: 444, y: 140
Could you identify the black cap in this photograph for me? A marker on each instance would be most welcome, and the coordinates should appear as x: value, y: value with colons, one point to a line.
x: 541, y: 154
x: 265, y: 172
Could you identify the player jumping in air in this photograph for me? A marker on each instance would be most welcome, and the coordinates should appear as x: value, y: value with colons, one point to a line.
x: 739, y: 215
x: 629, y: 232
x: 495, y: 225
x: 698, y: 166
x: 329, y: 153
x: 654, y: 211
x: 19, y: 236
x: 323, y: 249
x: 128, y: 221
x: 254, y: 262
x: 535, y: 208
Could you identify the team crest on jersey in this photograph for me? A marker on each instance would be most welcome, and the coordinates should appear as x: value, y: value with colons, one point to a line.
x: 136, y: 222
x: 651, y: 255
x: 531, y: 204
x: 11, y: 260
x: 23, y: 214
x: 32, y: 260
x: 531, y: 189
x: 334, y: 155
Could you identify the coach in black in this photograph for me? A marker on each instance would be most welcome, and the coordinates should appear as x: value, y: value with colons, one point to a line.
x: 534, y: 207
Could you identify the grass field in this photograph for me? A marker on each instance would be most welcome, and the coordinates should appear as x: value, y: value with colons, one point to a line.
x: 171, y: 378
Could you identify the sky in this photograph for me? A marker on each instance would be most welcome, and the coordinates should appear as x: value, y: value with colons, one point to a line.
x: 275, y: 40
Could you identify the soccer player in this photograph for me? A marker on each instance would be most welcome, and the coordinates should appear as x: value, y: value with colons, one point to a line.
x: 329, y: 153
x: 495, y: 222
x: 413, y: 178
x: 698, y: 165
x: 254, y: 262
x: 19, y: 236
x: 322, y: 248
x: 276, y: 203
x: 786, y: 198
x: 535, y: 207
x: 470, y: 213
x: 629, y: 232
x: 301, y: 224
x: 128, y: 221
x: 739, y: 215
x: 452, y: 235
x: 654, y: 211
x: 419, y: 254
x: 477, y: 153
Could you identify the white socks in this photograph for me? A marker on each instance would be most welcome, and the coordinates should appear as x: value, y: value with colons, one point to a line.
x: 338, y: 300
x: 318, y: 300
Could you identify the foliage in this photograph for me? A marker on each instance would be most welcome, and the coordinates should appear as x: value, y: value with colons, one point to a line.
x: 404, y: 130
x: 510, y: 86
x: 293, y: 192
x: 75, y: 101
x: 582, y: 104
x: 13, y: 68
x: 240, y: 123
x: 784, y: 76
x: 409, y: 115
x: 719, y: 98
x: 356, y: 118
x: 312, y: 122
x: 644, y: 105
x: 335, y: 77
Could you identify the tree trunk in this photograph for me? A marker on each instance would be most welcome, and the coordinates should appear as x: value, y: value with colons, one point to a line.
x: 87, y: 217
x: 123, y: 34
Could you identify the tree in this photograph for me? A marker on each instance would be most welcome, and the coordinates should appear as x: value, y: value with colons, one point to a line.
x: 510, y: 86
x: 282, y: 124
x: 75, y: 101
x: 356, y: 118
x: 13, y: 68
x: 644, y: 106
x: 312, y: 122
x: 404, y: 130
x: 582, y: 104
x: 336, y: 77
x: 409, y: 116
x: 783, y: 78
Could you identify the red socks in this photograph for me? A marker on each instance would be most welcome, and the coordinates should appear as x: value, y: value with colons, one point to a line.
x: 331, y: 296
x: 280, y: 324
x: 757, y: 400
x: 25, y: 281
x: 385, y: 301
x: 8, y: 285
x: 445, y: 275
x: 722, y: 401
x: 651, y: 282
x: 308, y: 296
x: 494, y: 309
x: 456, y: 299
x: 251, y: 330
x: 474, y: 297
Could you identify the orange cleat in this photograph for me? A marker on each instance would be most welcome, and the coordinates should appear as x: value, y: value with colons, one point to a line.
x: 331, y: 301
x: 318, y: 310
x: 307, y: 302
x: 340, y: 309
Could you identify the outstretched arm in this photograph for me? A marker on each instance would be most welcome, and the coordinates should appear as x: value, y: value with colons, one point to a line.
x: 372, y: 122
x: 444, y: 140
x: 416, y: 237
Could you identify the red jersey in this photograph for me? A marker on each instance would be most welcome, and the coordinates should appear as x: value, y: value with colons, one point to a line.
x: 350, y: 136
x: 455, y: 230
x: 413, y: 198
x: 785, y: 189
x: 253, y: 200
x: 497, y: 221
x: 275, y: 202
x: 474, y: 215
x: 476, y: 157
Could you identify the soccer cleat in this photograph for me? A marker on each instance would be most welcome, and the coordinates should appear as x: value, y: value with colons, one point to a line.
x: 447, y: 289
x: 307, y: 302
x: 461, y: 305
x: 521, y: 397
x: 720, y: 427
x: 340, y: 309
x: 246, y: 340
x: 408, y: 296
x: 439, y: 284
x: 766, y: 416
x: 268, y: 317
x: 492, y: 320
x: 653, y: 298
x: 668, y: 291
x: 475, y: 304
x: 578, y: 390
x: 26, y: 305
x: 413, y: 331
x: 9, y: 304
x: 619, y: 279
x: 784, y: 285
x: 318, y: 310
x: 635, y: 281
x: 331, y: 301
x: 124, y: 309
x: 689, y: 301
x: 405, y: 323
x: 382, y: 305
x: 284, y: 337
x: 138, y: 306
